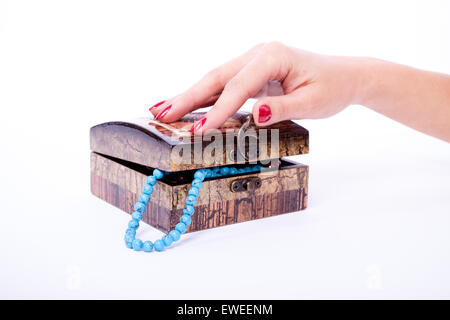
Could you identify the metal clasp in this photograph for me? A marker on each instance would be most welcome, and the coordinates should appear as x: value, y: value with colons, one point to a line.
x: 246, y: 184
x: 241, y: 137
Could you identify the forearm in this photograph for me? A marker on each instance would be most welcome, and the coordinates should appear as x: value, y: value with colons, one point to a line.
x: 416, y: 98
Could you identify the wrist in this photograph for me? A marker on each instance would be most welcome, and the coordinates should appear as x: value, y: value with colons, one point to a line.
x: 367, y: 75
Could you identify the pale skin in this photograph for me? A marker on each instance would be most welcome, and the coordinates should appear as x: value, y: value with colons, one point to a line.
x: 294, y: 84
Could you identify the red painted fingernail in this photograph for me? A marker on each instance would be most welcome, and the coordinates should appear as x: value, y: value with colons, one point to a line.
x: 198, y: 124
x: 163, y: 113
x: 157, y: 105
x: 264, y: 113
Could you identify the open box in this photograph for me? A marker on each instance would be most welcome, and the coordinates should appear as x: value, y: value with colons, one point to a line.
x: 125, y: 153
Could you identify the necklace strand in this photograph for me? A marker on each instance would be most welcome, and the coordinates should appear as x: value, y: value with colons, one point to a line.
x: 174, y: 235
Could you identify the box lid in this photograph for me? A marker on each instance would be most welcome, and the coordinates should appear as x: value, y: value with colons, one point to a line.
x: 171, y: 147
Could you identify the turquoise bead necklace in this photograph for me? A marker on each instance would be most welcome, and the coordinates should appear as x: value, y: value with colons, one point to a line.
x: 174, y: 235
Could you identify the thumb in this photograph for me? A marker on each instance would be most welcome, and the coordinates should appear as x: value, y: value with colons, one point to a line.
x: 270, y: 110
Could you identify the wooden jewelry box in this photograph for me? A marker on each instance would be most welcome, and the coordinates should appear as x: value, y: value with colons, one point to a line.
x: 125, y: 153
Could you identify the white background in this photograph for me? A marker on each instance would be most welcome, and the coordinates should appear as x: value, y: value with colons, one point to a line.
x: 378, y: 220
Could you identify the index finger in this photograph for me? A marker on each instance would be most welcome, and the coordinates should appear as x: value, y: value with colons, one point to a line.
x: 243, y: 86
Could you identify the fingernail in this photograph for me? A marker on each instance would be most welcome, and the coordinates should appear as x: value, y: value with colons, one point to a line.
x: 197, y: 126
x: 163, y: 113
x: 264, y: 113
x: 157, y: 105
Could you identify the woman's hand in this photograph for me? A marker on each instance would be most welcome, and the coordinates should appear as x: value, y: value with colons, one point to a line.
x: 296, y: 84
x: 291, y: 84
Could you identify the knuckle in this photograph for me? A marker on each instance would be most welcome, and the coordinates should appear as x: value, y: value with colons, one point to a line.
x: 259, y: 46
x: 237, y: 84
x: 283, y: 111
x: 215, y: 76
x: 189, y: 97
x: 272, y: 53
x: 234, y: 84
x: 274, y: 47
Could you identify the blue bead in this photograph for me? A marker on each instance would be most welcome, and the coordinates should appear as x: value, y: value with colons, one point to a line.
x: 188, y: 210
x: 186, y: 219
x: 129, y: 244
x: 159, y: 245
x: 180, y: 227
x: 133, y: 223
x: 144, y: 198
x: 147, y: 189
x: 137, y: 244
x: 131, y: 231
x: 224, y: 171
x: 136, y: 216
x: 191, y: 200
x: 129, y: 237
x: 175, y: 235
x: 151, y: 180
x: 233, y: 171
x: 167, y: 240
x: 193, y: 191
x: 208, y: 173
x: 216, y: 170
x: 158, y: 174
x: 139, y: 206
x: 197, y: 183
x: 147, y: 246
x: 200, y: 175
x: 241, y: 170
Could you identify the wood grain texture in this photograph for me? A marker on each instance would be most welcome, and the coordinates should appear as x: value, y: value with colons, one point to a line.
x: 218, y: 190
x: 282, y: 191
x: 227, y: 212
x: 152, y: 145
x: 121, y: 187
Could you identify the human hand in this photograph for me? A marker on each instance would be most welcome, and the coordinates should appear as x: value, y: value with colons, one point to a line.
x: 290, y: 84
